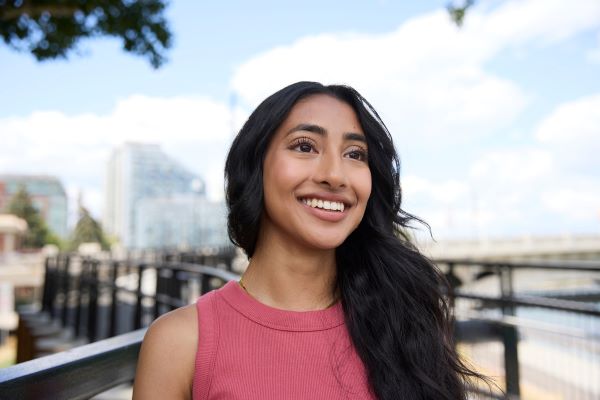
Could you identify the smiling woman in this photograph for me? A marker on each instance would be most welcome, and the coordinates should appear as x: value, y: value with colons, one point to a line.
x: 335, y: 303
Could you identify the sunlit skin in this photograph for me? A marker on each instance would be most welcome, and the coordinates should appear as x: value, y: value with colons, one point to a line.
x: 319, y: 151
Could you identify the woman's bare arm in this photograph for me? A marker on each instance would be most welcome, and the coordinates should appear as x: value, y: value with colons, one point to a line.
x: 165, y: 368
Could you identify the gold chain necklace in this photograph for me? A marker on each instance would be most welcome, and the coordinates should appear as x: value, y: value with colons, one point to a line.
x: 335, y: 299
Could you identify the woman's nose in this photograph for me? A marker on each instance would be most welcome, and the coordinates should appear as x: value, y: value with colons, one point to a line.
x: 330, y: 171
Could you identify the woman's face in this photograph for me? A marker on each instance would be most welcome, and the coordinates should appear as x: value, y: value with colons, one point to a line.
x: 316, y: 175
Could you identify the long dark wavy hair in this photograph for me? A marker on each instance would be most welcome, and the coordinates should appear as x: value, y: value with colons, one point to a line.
x: 392, y: 296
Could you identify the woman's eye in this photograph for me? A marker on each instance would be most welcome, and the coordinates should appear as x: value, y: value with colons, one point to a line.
x: 304, y: 147
x: 359, y: 155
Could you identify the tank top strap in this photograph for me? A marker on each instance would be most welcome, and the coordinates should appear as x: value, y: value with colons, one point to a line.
x: 208, y: 339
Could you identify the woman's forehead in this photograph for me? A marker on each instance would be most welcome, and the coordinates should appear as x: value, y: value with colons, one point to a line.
x: 325, y: 111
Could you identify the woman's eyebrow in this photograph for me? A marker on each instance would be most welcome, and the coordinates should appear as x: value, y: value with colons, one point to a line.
x: 309, y: 128
x: 355, y: 136
x: 322, y: 131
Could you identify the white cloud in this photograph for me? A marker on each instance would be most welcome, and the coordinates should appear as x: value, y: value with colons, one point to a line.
x: 572, y: 132
x: 426, y: 68
x: 576, y: 201
x: 512, y: 167
x: 496, y: 197
x: 576, y: 122
x: 447, y: 206
x: 517, y: 191
x: 446, y: 192
x: 518, y: 23
x: 430, y: 82
x: 427, y: 78
x: 75, y: 148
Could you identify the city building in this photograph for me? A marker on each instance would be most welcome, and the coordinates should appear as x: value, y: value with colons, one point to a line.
x: 154, y: 202
x: 181, y: 221
x: 47, y: 195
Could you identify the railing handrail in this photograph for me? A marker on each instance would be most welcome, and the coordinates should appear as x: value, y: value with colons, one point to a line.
x: 532, y: 301
x: 196, y: 269
x: 568, y: 265
x: 97, y: 366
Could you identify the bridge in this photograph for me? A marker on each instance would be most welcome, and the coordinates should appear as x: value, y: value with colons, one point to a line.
x: 566, y: 247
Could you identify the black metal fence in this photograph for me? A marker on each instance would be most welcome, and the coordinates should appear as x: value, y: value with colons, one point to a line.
x: 534, y: 326
x: 98, y: 310
x: 504, y: 321
x: 88, y: 299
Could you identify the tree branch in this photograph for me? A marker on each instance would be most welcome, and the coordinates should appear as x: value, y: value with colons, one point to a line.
x: 36, y: 10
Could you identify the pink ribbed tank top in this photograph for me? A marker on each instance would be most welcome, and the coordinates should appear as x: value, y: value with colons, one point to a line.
x: 248, y: 350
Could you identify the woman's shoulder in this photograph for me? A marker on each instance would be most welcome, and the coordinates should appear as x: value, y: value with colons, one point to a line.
x: 167, y: 357
x: 181, y: 322
x: 175, y: 331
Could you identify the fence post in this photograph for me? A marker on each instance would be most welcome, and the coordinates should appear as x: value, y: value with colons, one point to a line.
x: 159, y: 289
x: 510, y: 340
x: 56, y: 286
x: 67, y: 284
x: 113, y: 301
x: 174, y: 287
x: 92, y: 316
x: 82, y: 284
x: 204, y: 284
x: 510, y: 336
x: 138, y: 304
x: 47, y: 293
x: 452, y: 283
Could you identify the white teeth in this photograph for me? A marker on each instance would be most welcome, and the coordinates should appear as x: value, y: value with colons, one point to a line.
x: 324, y: 204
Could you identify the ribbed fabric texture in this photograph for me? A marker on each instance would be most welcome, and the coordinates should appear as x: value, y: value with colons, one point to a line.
x: 248, y: 350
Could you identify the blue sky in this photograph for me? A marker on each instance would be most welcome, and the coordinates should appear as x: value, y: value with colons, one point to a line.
x: 497, y: 124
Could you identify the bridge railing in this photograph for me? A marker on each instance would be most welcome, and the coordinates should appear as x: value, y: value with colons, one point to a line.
x: 98, y: 309
x: 535, y: 326
x: 492, y: 323
x: 86, y: 299
x: 80, y: 373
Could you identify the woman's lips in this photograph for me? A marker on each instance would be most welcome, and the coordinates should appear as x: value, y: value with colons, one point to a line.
x: 326, y: 215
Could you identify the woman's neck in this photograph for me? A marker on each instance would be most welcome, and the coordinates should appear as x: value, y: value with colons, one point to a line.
x: 291, y: 277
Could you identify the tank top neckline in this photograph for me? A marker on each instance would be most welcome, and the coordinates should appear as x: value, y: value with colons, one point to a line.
x: 280, y: 319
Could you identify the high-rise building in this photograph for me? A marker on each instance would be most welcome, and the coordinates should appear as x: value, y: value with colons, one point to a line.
x: 152, y: 201
x: 47, y: 195
x: 181, y: 221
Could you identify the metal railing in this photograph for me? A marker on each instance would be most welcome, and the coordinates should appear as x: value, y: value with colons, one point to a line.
x: 85, y: 300
x: 79, y: 373
x: 535, y: 326
x: 495, y: 328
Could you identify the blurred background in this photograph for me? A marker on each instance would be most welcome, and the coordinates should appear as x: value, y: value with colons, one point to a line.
x: 116, y: 118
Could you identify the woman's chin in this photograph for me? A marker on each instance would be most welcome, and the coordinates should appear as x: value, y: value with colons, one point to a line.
x: 327, y: 244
